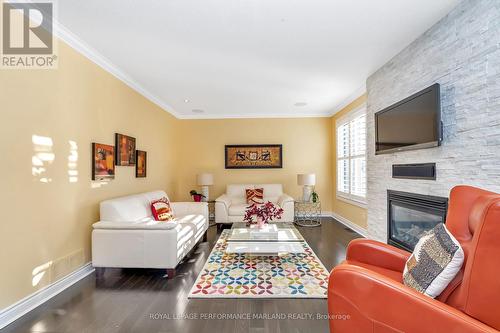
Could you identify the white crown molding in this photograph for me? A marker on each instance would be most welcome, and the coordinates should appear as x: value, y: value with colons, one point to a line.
x: 80, y: 46
x: 255, y: 116
x: 348, y: 100
x: 351, y: 225
x: 22, y: 307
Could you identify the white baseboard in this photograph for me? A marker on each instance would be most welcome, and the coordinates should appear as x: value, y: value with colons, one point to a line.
x: 18, y: 309
x: 351, y: 225
x: 326, y: 214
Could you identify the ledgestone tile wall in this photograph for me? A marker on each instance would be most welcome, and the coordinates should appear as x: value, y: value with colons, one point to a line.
x: 462, y: 53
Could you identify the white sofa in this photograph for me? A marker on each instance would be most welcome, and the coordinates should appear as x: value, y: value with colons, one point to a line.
x: 127, y: 235
x: 230, y: 207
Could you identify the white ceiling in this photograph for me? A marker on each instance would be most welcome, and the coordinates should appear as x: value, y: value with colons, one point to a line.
x: 246, y: 58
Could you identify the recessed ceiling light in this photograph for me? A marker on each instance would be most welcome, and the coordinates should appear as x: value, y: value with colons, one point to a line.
x: 299, y: 104
x: 186, y: 101
x: 197, y: 110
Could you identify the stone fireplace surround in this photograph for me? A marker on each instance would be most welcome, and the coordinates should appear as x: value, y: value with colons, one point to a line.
x: 462, y: 53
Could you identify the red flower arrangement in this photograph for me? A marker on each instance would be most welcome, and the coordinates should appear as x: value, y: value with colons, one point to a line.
x: 264, y: 213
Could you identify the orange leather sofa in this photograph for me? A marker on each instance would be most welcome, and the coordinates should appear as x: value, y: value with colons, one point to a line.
x: 366, y: 293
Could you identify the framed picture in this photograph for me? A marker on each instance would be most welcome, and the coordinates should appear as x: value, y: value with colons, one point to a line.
x: 140, y: 164
x: 253, y: 156
x: 125, y: 150
x: 103, y: 161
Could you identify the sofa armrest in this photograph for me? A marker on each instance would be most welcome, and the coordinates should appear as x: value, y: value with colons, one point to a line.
x: 375, y: 302
x: 225, y: 200
x: 187, y: 208
x: 283, y: 199
x: 376, y: 253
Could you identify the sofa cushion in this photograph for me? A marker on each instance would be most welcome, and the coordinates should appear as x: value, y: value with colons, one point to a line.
x: 274, y: 200
x: 237, y: 209
x: 237, y: 190
x: 436, y: 260
x: 197, y: 223
x: 147, y: 224
x: 130, y: 208
x: 271, y: 191
x: 255, y: 196
x: 161, y: 210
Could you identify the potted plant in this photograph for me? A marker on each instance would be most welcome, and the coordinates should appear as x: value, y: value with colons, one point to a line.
x: 314, y: 196
x: 196, y: 196
x: 263, y: 213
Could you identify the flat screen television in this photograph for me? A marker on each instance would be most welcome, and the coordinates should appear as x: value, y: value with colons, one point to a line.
x: 412, y: 123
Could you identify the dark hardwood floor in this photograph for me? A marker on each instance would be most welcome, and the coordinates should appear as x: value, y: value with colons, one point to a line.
x: 137, y: 300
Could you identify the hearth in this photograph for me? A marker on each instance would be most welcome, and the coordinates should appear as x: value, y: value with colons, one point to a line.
x: 411, y: 214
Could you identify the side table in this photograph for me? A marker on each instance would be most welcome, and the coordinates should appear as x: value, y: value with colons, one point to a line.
x: 211, y: 213
x: 307, y: 213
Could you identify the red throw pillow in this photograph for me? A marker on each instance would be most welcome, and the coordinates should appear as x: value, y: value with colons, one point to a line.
x: 255, y: 196
x: 161, y: 210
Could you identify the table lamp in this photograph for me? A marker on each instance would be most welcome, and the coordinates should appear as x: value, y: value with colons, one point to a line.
x: 205, y: 180
x: 308, y: 180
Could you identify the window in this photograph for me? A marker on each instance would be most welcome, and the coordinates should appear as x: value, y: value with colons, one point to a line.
x: 351, y: 156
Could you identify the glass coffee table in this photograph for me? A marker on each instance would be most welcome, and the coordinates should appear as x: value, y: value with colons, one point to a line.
x: 274, y: 239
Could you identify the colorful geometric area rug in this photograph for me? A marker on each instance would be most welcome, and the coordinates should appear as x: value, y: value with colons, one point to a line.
x: 231, y: 275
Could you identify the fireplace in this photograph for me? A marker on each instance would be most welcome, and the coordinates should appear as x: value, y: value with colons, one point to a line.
x: 410, y: 214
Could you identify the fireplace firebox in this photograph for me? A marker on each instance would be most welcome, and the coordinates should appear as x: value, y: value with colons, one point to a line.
x: 410, y: 214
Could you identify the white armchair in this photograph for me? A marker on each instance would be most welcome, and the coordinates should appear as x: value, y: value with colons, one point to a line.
x: 230, y: 207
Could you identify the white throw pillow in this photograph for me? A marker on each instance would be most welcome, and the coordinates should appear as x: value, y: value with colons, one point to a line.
x: 435, y: 261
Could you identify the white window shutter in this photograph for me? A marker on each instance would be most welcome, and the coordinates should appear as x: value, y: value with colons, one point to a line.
x: 358, y: 136
x: 343, y: 176
x: 351, y: 156
x: 343, y: 141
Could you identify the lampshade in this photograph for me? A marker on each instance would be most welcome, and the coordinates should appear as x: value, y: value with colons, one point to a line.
x: 205, y: 179
x: 306, y: 179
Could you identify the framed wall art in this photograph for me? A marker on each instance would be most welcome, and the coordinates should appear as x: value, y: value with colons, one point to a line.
x: 103, y: 161
x: 260, y: 156
x: 125, y: 150
x: 140, y: 164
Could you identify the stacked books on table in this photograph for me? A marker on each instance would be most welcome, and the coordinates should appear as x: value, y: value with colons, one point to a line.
x: 268, y: 231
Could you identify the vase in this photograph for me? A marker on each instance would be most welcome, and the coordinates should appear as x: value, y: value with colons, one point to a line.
x: 260, y: 222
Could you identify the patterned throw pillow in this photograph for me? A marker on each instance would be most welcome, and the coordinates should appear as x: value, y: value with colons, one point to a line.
x: 161, y: 210
x: 436, y: 260
x: 255, y: 196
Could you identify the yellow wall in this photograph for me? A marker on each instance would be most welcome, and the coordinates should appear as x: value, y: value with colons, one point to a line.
x: 45, y: 223
x: 306, y: 148
x: 46, y: 226
x: 349, y: 211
